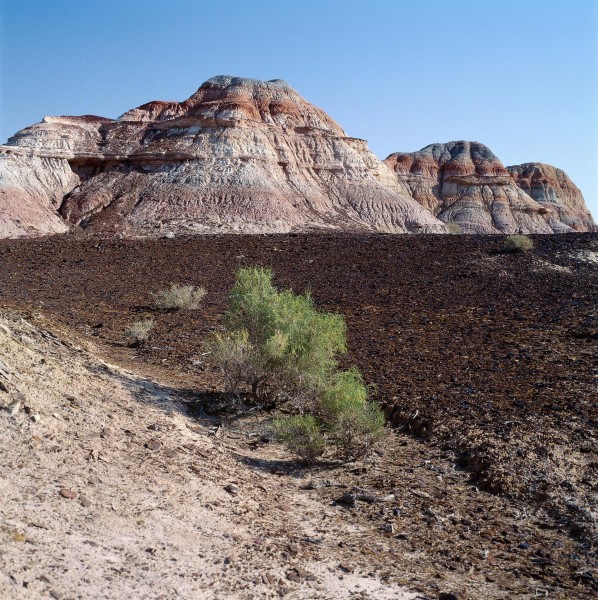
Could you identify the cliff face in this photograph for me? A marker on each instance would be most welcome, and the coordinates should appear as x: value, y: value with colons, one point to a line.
x: 465, y: 183
x: 552, y: 189
x: 31, y: 190
x: 238, y: 155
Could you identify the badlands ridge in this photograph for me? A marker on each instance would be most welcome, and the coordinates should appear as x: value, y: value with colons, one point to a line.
x: 242, y: 155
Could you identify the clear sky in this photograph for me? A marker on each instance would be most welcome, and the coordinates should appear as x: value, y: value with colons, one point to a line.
x: 520, y: 76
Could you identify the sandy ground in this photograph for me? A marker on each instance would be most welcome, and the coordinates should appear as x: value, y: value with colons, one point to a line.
x: 110, y: 491
x: 484, y: 361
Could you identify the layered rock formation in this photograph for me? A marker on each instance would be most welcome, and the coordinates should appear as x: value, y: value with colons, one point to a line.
x: 238, y: 155
x: 31, y: 190
x: 465, y: 183
x: 552, y: 189
x: 242, y: 155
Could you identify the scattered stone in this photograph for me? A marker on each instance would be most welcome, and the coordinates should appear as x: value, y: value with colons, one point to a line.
x: 294, y: 576
x: 66, y: 493
x: 346, y: 568
x: 85, y: 502
x: 3, y: 386
x: 524, y: 546
x: 232, y: 489
x: 36, y: 418
x: 388, y: 528
x: 153, y: 444
x: 154, y: 427
x: 14, y: 407
x: 448, y: 596
x: 311, y: 485
x: 349, y: 500
x: 311, y: 540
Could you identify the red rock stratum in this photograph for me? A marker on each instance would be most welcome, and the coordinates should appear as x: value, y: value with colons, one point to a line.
x: 249, y: 156
x: 465, y: 183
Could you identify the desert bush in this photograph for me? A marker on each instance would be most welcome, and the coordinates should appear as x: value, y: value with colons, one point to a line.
x: 518, y: 243
x: 179, y: 297
x: 280, y: 349
x: 277, y: 343
x: 454, y: 228
x: 235, y: 356
x: 354, y: 423
x: 302, y: 435
x: 138, y: 332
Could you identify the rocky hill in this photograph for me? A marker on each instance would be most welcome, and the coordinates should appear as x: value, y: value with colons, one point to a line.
x: 238, y: 155
x: 552, y: 189
x: 242, y: 155
x: 465, y: 183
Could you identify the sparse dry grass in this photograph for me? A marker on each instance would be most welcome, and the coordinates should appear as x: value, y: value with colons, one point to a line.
x: 518, y: 243
x: 179, y: 297
x: 454, y: 228
x: 138, y: 332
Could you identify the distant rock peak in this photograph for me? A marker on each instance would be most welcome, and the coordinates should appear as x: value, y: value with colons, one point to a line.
x: 250, y: 156
x: 226, y: 101
x: 465, y: 182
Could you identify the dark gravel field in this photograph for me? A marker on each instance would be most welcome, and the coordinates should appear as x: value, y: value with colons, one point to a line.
x: 484, y: 356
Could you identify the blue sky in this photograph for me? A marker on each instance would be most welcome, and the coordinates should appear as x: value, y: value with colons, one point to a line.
x: 518, y: 75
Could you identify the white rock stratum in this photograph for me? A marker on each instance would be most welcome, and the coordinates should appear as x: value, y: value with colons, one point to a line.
x: 249, y: 156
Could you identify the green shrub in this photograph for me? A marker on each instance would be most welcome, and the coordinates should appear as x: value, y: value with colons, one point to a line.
x: 285, y: 349
x: 454, y: 228
x: 302, y: 435
x: 138, y: 332
x: 518, y: 243
x: 354, y: 423
x: 179, y: 297
x: 278, y: 347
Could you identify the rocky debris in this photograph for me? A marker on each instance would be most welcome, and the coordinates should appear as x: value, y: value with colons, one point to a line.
x: 238, y: 155
x: 67, y: 493
x: 448, y: 596
x: 143, y: 527
x: 465, y: 183
x: 153, y: 444
x: 232, y: 489
x: 499, y: 369
x: 552, y: 189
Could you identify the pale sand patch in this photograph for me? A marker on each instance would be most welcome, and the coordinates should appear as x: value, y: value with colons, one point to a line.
x: 588, y: 256
x: 144, y: 523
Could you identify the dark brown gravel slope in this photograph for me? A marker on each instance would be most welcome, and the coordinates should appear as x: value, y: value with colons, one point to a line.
x: 489, y: 356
